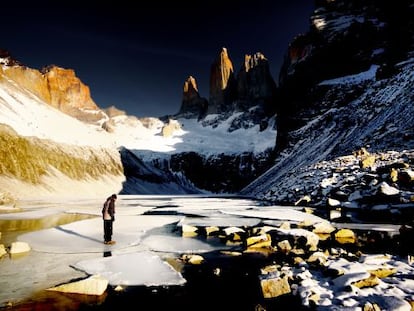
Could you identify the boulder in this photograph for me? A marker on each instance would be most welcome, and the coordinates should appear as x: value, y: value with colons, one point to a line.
x: 19, y: 247
x: 94, y: 285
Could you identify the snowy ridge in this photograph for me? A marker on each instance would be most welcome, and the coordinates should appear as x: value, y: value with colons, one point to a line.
x: 29, y: 116
x: 379, y: 119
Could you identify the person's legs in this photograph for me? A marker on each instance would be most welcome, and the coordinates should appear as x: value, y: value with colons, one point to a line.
x: 110, y: 229
x: 107, y: 230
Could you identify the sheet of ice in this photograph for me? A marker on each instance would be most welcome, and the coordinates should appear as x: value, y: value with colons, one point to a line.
x: 180, y: 245
x: 198, y: 205
x: 86, y: 236
x: 278, y: 213
x: 139, y: 268
x: 211, y: 203
x: 219, y: 221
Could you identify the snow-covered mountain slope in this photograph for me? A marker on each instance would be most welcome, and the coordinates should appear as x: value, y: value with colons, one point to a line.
x: 56, y: 136
x: 29, y: 116
x: 355, y: 112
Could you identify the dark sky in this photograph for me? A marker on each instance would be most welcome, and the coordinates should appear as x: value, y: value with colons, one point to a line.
x: 138, y: 58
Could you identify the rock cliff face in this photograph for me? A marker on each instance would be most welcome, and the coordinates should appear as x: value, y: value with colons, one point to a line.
x: 255, y: 84
x: 67, y: 92
x: 192, y: 104
x: 57, y: 87
x: 346, y: 84
x: 220, y: 173
x: 344, y: 38
x: 222, y: 84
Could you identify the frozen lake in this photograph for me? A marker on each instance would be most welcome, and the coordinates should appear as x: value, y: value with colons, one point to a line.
x: 66, y: 240
x: 62, y: 250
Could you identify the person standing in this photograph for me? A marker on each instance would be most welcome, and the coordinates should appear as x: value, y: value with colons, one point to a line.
x: 108, y: 215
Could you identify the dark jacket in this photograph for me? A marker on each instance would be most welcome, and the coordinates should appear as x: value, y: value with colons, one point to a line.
x: 109, y: 205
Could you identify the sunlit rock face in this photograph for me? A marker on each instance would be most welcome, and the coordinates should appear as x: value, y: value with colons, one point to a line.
x: 222, y: 84
x: 192, y: 104
x: 30, y: 79
x: 66, y: 90
x: 58, y: 87
x: 255, y: 84
x: 69, y: 94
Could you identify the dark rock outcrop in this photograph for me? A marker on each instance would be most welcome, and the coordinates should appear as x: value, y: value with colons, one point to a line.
x: 220, y: 173
x: 344, y: 38
x: 255, y: 84
x: 192, y: 104
x: 7, y: 59
x: 155, y: 178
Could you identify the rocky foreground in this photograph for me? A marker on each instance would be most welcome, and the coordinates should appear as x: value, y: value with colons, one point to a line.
x: 321, y: 266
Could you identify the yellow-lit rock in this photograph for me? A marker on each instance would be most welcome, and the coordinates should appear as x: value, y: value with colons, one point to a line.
x: 58, y: 87
x: 383, y: 272
x: 314, y: 297
x: 368, y: 306
x: 269, y: 269
x: 345, y: 236
x: 367, y: 161
x: 212, y: 230
x: 2, y: 250
x: 371, y: 281
x: 189, y: 231
x: 284, y: 246
x: 260, y: 241
x: 323, y: 228
x: 192, y: 259
x: 94, y: 285
x: 19, y: 247
x: 274, y: 287
x: 234, y: 233
x: 171, y: 127
x: 317, y: 258
x: 394, y: 175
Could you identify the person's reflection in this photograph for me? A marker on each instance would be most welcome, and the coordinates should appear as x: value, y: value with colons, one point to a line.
x: 107, y: 254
